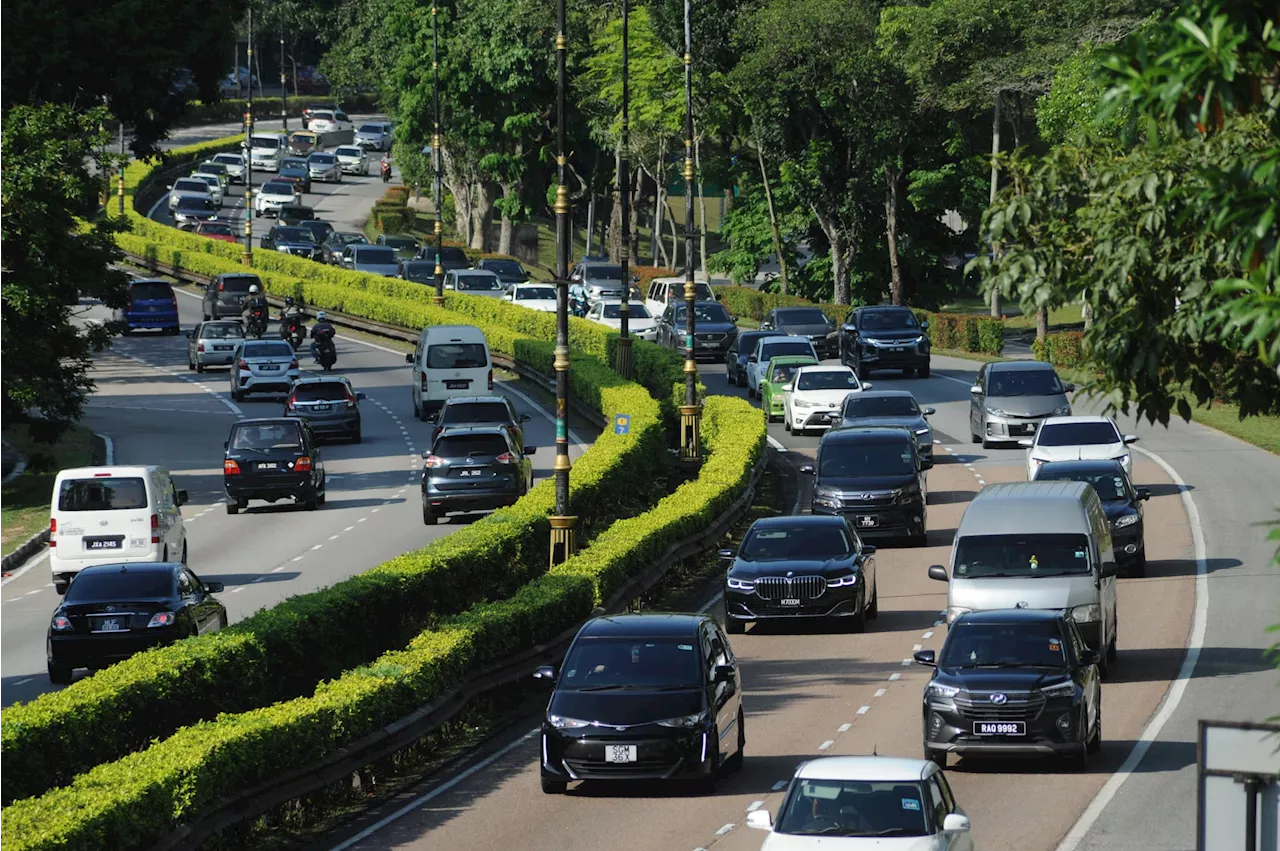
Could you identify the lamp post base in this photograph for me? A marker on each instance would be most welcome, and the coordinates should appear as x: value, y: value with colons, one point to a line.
x: 247, y: 258
x: 690, y: 437
x: 624, y: 365
x: 437, y: 300
x: 563, y: 538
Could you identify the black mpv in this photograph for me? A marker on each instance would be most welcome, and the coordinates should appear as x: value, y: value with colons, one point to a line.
x: 1121, y: 501
x: 273, y: 459
x: 1013, y: 682
x: 643, y: 697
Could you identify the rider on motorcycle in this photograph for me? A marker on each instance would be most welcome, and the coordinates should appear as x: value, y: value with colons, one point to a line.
x: 254, y: 304
x: 385, y: 168
x: 322, y: 333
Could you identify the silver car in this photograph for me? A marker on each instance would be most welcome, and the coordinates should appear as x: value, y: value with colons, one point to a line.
x: 213, y: 343
x: 263, y: 366
x: 374, y: 135
x: 324, y: 166
x: 1010, y: 400
x: 354, y: 160
x: 188, y: 187
x: 374, y: 259
x: 234, y: 164
x: 475, y: 282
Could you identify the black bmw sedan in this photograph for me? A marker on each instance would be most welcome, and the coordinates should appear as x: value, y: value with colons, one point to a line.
x: 112, y: 611
x: 800, y: 566
x: 1121, y: 501
x: 643, y: 697
x: 1013, y: 682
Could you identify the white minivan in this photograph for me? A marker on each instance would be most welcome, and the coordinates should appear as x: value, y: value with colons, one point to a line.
x: 450, y: 360
x: 102, y: 515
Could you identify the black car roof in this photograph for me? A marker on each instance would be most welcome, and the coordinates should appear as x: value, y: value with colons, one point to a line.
x: 133, y: 567
x: 880, y: 394
x: 858, y: 434
x: 259, y: 421
x: 319, y: 379
x: 880, y: 308
x: 1021, y: 366
x: 804, y: 521
x: 642, y: 625
x: 998, y: 616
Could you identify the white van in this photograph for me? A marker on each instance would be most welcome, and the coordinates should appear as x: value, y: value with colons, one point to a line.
x: 665, y: 290
x: 451, y: 360
x: 102, y: 515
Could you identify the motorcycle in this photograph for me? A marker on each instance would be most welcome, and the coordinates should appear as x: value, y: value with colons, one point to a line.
x: 293, y: 329
x: 256, y: 323
x: 326, y: 353
x: 386, y: 172
x: 578, y: 303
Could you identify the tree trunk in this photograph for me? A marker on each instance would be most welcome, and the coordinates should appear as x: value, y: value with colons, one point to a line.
x: 773, y: 218
x: 675, y: 243
x: 995, y: 185
x: 893, y: 185
x: 508, y: 226
x: 485, y: 193
x: 702, y: 208
x: 1086, y: 313
x: 637, y: 194
x: 656, y: 248
x: 614, y: 238
x: 256, y: 71
x: 1042, y: 323
x: 841, y: 246
x: 591, y: 225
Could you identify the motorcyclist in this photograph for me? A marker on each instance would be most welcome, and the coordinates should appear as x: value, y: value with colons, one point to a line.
x: 255, y: 304
x: 385, y: 168
x: 322, y: 333
x: 290, y: 315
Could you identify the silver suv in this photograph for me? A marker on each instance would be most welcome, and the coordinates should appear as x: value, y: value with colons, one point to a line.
x: 1010, y: 400
x: 374, y: 135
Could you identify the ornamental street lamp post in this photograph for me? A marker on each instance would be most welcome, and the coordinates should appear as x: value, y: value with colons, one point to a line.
x: 284, y: 111
x: 562, y: 525
x: 690, y: 411
x: 437, y: 157
x: 247, y: 257
x: 120, y: 176
x: 625, y: 362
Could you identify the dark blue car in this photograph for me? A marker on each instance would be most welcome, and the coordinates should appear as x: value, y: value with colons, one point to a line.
x: 152, y: 305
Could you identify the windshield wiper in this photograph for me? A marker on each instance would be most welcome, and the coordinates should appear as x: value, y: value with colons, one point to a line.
x: 1008, y: 665
x: 611, y: 687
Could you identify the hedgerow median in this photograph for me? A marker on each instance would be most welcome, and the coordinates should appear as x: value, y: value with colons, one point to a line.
x: 134, y: 801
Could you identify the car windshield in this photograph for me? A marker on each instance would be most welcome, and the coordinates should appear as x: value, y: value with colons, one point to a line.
x: 802, y: 316
x: 888, y: 320
x: 120, y: 585
x: 975, y: 645
x: 475, y: 412
x: 191, y: 184
x: 504, y: 267
x: 469, y: 445
x: 1077, y: 434
x: 536, y: 294
x: 860, y: 407
x: 348, y: 152
x: 784, y: 372
x: 801, y: 541
x: 216, y: 228
x: 422, y: 271
x: 603, y: 273
x: 277, y: 187
x: 268, y: 349
x: 478, y: 283
x: 449, y: 252
x: 294, y: 235
x: 1028, y: 555
x: 708, y: 313
x: 637, y: 662
x: 106, y: 493
x: 200, y: 205
x: 347, y: 238
x: 320, y: 391
x: 858, y: 458
x: 457, y: 356
x: 266, y: 142
x: 854, y: 808
x: 1024, y: 382
x: 785, y: 347
x: 400, y: 242
x: 322, y: 159
x: 1109, y: 484
x: 637, y: 311
x: 376, y: 255
x: 827, y: 380
x: 269, y: 436
x: 292, y: 164
x: 229, y: 159
x: 238, y: 283
x: 371, y: 128
x: 221, y: 331
x: 150, y: 291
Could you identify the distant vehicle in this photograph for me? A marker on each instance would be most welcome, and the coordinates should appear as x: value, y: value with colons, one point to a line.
x: 216, y: 230
x: 296, y: 241
x: 738, y: 353
x: 263, y: 366
x: 1078, y: 438
x: 191, y: 211
x: 353, y: 159
x: 474, y: 468
x: 451, y: 257
x: 329, y: 404
x: 218, y: 170
x: 888, y: 408
x: 152, y: 305
x: 266, y: 151
x: 188, y: 187
x: 213, y: 343
x: 328, y: 121
x: 405, y: 247
x: 533, y: 296
x: 766, y: 349
x: 303, y: 143
x: 715, y: 329
x: 374, y: 259
x: 224, y: 296
x: 295, y: 214
x: 337, y: 241
x: 418, y: 271
x: 374, y: 136
x: 325, y: 167
x: 1009, y: 401
x: 273, y: 195
x: 639, y: 323
x: 778, y: 379
x: 508, y: 271
x: 295, y: 171
x: 885, y: 337
x: 480, y: 410
x: 815, y: 396
x: 234, y: 164
x: 320, y: 230
x: 808, y: 322
x: 474, y: 282
x: 273, y: 459
x: 1121, y: 501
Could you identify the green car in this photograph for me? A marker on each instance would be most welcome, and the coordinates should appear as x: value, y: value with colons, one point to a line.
x: 777, y: 375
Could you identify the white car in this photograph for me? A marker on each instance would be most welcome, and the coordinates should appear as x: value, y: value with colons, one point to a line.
x: 267, y: 151
x: 353, y: 159
x: 1081, y: 438
x: 214, y: 184
x: 772, y: 347
x: 328, y: 121
x: 234, y: 163
x: 185, y: 186
x: 866, y: 803
x: 534, y: 296
x: 639, y: 324
x: 273, y: 195
x: 324, y: 166
x: 814, y: 398
x: 263, y: 366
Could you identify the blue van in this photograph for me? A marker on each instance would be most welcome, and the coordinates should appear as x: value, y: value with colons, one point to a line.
x: 152, y: 305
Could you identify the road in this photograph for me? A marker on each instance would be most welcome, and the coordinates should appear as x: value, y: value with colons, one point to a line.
x: 156, y: 412
x: 810, y: 693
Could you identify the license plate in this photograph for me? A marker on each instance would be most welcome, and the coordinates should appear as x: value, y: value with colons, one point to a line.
x: 475, y: 472
x: 111, y: 625
x: 866, y: 522
x: 999, y: 728
x: 222, y: 348
x: 457, y: 385
x: 270, y: 367
x: 103, y: 543
x: 268, y: 465
x: 619, y: 753
x: 790, y: 601
x: 896, y: 349
x: 321, y: 407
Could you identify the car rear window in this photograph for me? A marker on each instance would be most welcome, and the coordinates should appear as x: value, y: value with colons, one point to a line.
x: 320, y: 391
x: 151, y: 291
x: 266, y: 436
x: 239, y: 283
x: 268, y: 349
x: 266, y: 142
x: 376, y: 254
x: 457, y: 356
x: 120, y: 585
x: 278, y: 187
x: 104, y: 493
x: 469, y: 445
x: 476, y: 412
x: 191, y: 184
x: 775, y: 350
x: 221, y: 331
x: 294, y: 235
x: 323, y: 116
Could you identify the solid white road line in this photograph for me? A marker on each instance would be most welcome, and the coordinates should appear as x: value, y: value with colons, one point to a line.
x: 31, y: 562
x: 1199, y: 624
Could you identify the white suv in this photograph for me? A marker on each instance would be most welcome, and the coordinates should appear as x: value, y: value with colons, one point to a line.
x: 328, y: 121
x: 273, y: 195
x: 263, y: 366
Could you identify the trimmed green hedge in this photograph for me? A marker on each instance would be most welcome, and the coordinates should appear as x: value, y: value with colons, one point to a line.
x: 1064, y: 349
x: 133, y: 802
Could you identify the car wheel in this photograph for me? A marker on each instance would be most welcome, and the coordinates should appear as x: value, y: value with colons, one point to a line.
x: 222, y: 621
x: 1079, y: 760
x: 987, y: 444
x: 200, y: 367
x: 786, y: 423
x: 922, y: 372
x: 1138, y: 568
x: 311, y: 504
x: 128, y: 332
x: 356, y: 436
x: 873, y: 609
x: 190, y: 366
x: 1095, y: 740
x: 1112, y: 652
x: 553, y: 787
x: 237, y: 396
x: 711, y: 780
x: 184, y: 555
x: 428, y: 519
x: 858, y: 623
x: 734, y: 763
x: 233, y: 507
x: 60, y: 675
x: 938, y: 758
x: 60, y: 587
x: 733, y: 626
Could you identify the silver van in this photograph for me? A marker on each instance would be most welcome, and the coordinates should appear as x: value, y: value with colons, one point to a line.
x: 450, y: 360
x: 1036, y: 545
x: 1010, y: 400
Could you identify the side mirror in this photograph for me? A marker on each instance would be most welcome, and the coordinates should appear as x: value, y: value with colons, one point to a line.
x: 226, y: 445
x: 183, y: 498
x: 189, y: 333
x: 529, y: 450
x: 1109, y: 569
x: 546, y: 673
x: 866, y: 385
x: 408, y: 358
x: 928, y: 412
x: 939, y: 573
x: 726, y: 554
x: 1090, y: 657
x: 975, y: 389
x: 789, y: 388
x: 733, y: 319
x: 926, y: 463
x: 926, y: 657
x: 1130, y: 438
x: 807, y: 469
x: 524, y: 418
x: 426, y: 453
x: 1143, y: 494
x: 722, y: 674
x: 765, y: 326
x: 752, y: 359
x: 1068, y: 387
x: 213, y: 587
x: 1026, y: 441
x: 955, y: 823
x: 361, y: 397
x: 760, y: 820
x: 170, y: 186
x: 868, y: 549
x: 924, y: 325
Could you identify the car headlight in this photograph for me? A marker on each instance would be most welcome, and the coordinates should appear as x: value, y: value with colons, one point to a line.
x: 1039, y: 462
x: 939, y: 690
x: 922, y: 431
x: 562, y: 723
x: 1126, y: 520
x: 801, y: 403
x: 735, y: 584
x: 843, y: 581
x: 1123, y: 459
x: 954, y: 612
x: 1066, y: 689
x: 685, y: 721
x: 1062, y: 411
x: 826, y: 499
x: 995, y: 412
x: 918, y: 340
x: 1090, y: 613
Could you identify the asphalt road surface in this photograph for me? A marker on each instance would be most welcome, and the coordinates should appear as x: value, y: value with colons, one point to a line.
x: 810, y: 692
x: 156, y: 412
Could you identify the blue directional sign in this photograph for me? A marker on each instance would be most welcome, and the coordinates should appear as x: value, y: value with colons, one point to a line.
x: 622, y: 424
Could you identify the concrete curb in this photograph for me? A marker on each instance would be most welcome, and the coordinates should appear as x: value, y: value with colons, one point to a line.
x: 28, y: 549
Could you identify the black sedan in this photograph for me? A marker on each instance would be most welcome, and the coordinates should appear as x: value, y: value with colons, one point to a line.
x: 112, y: 611
x: 1120, y: 500
x: 643, y: 697
x: 474, y: 468
x: 809, y: 322
x: 298, y: 241
x: 296, y: 172
x: 800, y: 566
x: 714, y: 329
x: 889, y: 408
x: 1013, y: 682
x: 508, y: 271
x: 273, y: 459
x: 418, y: 271
x: 735, y: 357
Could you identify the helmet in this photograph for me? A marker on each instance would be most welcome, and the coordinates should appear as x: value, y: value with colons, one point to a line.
x: 321, y: 316
x: 288, y: 300
x: 253, y: 289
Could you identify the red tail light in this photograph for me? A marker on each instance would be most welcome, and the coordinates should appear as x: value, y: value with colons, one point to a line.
x: 506, y: 458
x: 351, y: 400
x: 303, y: 465
x: 222, y: 286
x: 53, y: 531
x: 155, y: 527
x: 424, y: 381
x: 292, y: 400
x: 433, y: 461
x: 230, y: 468
x: 200, y: 347
x: 491, y: 379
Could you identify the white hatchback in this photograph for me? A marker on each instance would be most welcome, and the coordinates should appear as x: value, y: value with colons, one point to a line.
x: 328, y: 121
x: 353, y: 159
x: 640, y: 323
x: 541, y: 297
x: 273, y: 195
x: 814, y: 398
x: 263, y: 366
x: 1081, y: 438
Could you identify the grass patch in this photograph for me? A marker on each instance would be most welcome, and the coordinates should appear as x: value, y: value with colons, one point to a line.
x: 1067, y: 316
x: 1262, y: 431
x: 24, y: 502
